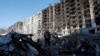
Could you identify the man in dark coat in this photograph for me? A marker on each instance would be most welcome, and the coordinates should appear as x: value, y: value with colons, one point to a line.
x: 47, y: 37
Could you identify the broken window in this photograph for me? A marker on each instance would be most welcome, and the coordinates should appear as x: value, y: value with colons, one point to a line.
x: 96, y: 7
x: 68, y: 27
x: 88, y: 25
x: 80, y: 26
x: 80, y: 21
x: 96, y: 12
x: 97, y: 20
x: 88, y: 21
x: 74, y: 26
x: 80, y: 17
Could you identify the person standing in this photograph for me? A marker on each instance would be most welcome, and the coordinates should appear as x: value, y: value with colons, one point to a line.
x: 47, y: 37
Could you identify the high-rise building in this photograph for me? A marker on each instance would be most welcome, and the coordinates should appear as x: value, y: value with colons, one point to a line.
x: 65, y: 17
x: 48, y: 19
x: 45, y: 18
x: 37, y: 25
x: 33, y: 25
x: 72, y: 16
x: 81, y: 14
x: 57, y: 17
x: 17, y: 27
x: 27, y: 25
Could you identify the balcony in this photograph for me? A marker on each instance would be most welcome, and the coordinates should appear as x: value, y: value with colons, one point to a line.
x: 73, y: 14
x: 74, y: 23
x: 72, y: 4
x: 70, y: 1
x: 73, y: 19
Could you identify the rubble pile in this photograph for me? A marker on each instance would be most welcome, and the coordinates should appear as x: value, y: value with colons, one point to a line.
x: 76, y: 46
x: 15, y: 44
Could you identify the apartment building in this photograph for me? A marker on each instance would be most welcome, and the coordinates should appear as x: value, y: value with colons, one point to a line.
x: 37, y: 25
x: 72, y: 16
x: 51, y: 18
x: 45, y: 19
x: 17, y: 27
x: 79, y: 15
x: 33, y: 25
x: 66, y: 17
x: 27, y: 28
x: 57, y: 17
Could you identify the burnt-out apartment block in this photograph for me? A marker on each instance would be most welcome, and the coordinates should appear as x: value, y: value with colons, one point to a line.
x: 65, y: 17
x: 51, y: 18
x: 57, y: 17
x: 72, y: 13
x: 45, y: 19
x: 72, y: 16
x: 80, y: 15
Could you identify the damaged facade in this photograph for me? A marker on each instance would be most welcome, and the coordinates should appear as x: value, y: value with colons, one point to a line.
x: 80, y: 15
x: 74, y: 16
x: 66, y: 17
